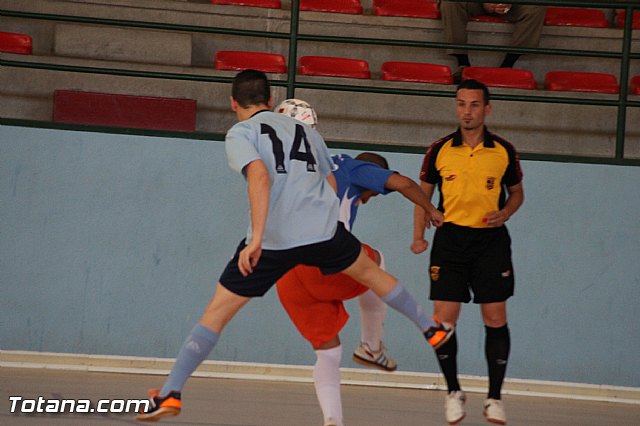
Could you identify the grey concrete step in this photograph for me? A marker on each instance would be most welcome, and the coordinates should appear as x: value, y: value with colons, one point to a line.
x: 122, y: 44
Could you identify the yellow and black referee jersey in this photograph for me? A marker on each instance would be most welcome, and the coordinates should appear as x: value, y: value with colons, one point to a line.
x: 472, y: 181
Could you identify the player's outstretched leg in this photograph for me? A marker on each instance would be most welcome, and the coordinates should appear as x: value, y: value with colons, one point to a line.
x: 437, y: 333
x: 196, y: 348
x: 387, y: 287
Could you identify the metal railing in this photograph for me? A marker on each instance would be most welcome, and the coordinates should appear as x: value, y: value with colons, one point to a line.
x: 622, y: 103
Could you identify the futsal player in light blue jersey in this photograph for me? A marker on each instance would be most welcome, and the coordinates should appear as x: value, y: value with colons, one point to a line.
x: 302, y: 207
x: 293, y: 213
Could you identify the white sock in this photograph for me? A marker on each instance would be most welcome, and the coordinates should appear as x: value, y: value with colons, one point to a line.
x: 373, y: 311
x: 326, y: 379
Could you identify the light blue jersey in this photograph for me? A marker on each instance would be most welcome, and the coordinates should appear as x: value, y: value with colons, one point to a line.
x: 354, y: 177
x: 303, y: 208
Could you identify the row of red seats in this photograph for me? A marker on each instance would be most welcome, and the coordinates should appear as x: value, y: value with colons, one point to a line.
x: 421, y: 72
x: 556, y: 16
x: 403, y: 71
x: 146, y: 112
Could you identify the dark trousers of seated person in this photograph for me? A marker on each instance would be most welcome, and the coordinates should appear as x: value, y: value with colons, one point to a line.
x: 528, y: 21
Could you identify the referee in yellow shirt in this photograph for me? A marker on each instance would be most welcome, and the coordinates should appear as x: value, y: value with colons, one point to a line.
x: 479, y: 179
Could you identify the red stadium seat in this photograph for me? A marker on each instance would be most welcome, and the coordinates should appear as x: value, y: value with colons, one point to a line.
x: 272, y: 4
x: 636, y: 19
x: 488, y: 18
x: 334, y: 67
x: 142, y: 112
x: 574, y: 17
x: 635, y: 85
x: 238, y: 60
x: 501, y: 77
x: 352, y: 7
x: 15, y: 43
x: 581, y: 82
x: 409, y: 8
x: 415, y: 71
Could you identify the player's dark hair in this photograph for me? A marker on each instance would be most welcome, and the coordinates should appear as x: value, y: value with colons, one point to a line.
x: 374, y: 158
x: 251, y: 87
x: 476, y: 85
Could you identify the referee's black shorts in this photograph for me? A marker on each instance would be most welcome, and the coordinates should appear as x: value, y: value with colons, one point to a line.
x: 465, y: 260
x: 331, y: 256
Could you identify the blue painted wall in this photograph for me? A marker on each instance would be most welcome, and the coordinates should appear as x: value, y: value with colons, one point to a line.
x: 112, y: 244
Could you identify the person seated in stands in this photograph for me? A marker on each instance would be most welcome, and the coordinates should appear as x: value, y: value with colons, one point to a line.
x: 528, y: 21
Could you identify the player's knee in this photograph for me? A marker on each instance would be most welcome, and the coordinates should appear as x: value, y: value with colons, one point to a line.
x: 495, y: 321
x: 333, y: 343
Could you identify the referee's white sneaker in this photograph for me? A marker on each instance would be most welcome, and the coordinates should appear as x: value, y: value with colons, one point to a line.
x: 494, y: 411
x: 454, y: 407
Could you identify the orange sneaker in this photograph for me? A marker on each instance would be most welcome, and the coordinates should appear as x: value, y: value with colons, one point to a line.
x: 438, y: 336
x: 161, y: 406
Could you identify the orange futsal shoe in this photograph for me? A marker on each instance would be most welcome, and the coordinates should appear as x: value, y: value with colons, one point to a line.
x: 438, y: 336
x: 161, y: 406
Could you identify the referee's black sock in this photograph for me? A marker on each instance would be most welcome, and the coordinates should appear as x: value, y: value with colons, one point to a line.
x: 447, y: 358
x: 496, y: 347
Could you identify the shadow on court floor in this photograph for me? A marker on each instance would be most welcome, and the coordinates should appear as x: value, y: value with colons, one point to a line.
x: 259, y: 403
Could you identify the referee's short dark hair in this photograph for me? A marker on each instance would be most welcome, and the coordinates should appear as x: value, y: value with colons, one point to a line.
x: 475, y: 85
x: 251, y: 87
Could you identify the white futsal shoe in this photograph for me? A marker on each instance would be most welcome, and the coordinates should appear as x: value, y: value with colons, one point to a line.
x: 454, y: 407
x: 494, y: 411
x: 363, y: 355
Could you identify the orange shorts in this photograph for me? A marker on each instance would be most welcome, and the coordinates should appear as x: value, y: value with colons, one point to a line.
x: 314, y: 300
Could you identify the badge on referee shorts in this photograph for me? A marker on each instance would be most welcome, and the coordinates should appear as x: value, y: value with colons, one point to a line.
x: 435, y: 273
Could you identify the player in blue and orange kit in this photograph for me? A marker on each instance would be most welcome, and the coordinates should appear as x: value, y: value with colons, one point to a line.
x: 293, y: 213
x: 314, y: 301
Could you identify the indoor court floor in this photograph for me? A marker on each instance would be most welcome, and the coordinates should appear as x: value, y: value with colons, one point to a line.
x: 235, y: 402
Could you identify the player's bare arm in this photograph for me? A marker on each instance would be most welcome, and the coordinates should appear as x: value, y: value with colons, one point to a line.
x: 422, y: 221
x: 411, y: 191
x: 435, y: 216
x: 258, y: 188
x: 513, y: 203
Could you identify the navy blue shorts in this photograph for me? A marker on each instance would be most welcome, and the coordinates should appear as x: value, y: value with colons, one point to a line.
x: 465, y: 260
x: 331, y: 256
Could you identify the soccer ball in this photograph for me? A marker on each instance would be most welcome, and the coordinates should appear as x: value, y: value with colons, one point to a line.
x: 300, y: 110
